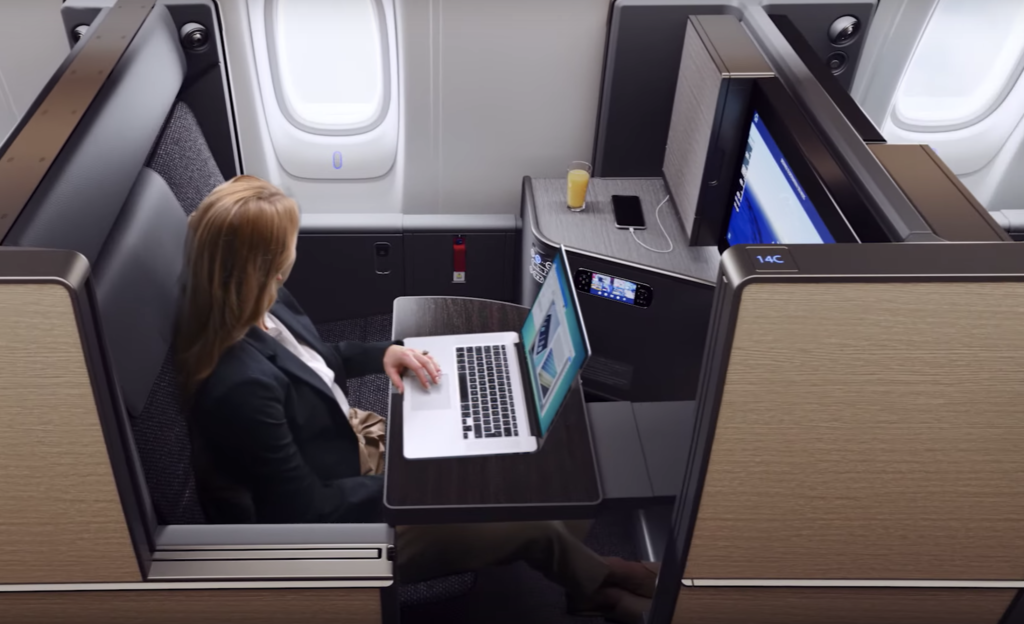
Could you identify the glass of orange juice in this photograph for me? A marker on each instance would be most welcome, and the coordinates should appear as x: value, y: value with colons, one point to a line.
x: 579, y: 179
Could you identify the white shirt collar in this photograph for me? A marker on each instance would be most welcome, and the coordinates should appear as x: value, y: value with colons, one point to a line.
x: 272, y: 327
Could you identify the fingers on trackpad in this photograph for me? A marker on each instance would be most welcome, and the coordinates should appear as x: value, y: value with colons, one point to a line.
x: 436, y: 397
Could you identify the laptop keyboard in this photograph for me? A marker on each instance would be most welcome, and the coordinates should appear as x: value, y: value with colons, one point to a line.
x: 486, y: 392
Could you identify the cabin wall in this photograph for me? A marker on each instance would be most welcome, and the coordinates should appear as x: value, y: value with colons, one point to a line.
x: 985, y: 152
x: 32, y: 45
x: 490, y: 91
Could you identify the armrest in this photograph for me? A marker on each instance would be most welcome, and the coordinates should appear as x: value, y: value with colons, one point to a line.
x: 255, y: 552
x: 1010, y: 220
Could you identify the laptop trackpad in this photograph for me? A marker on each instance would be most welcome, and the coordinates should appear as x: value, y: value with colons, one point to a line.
x: 435, y: 398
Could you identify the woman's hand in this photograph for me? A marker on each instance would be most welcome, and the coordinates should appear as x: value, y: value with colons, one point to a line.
x: 397, y: 359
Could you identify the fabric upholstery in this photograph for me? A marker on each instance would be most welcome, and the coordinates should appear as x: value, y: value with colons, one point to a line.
x: 162, y: 439
x: 183, y: 158
x: 370, y: 392
x: 436, y: 590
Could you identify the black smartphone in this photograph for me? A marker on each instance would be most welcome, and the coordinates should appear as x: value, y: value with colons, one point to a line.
x: 628, y: 212
x: 613, y: 288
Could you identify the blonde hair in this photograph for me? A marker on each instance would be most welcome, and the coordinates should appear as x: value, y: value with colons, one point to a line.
x: 239, y: 240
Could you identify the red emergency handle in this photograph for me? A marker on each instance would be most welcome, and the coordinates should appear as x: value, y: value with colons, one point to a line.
x: 459, y: 254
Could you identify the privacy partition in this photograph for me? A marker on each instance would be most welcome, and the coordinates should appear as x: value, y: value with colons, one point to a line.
x: 857, y: 446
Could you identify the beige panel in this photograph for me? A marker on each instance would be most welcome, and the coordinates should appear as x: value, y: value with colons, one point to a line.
x: 279, y: 606
x: 869, y: 431
x: 788, y: 605
x: 60, y: 516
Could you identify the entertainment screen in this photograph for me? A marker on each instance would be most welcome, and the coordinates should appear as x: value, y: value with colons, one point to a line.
x: 770, y: 206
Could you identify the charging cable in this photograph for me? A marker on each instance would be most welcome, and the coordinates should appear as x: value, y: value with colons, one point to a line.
x: 657, y: 215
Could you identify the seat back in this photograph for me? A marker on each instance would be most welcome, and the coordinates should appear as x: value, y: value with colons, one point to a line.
x: 137, y: 276
x: 183, y: 159
x: 137, y: 284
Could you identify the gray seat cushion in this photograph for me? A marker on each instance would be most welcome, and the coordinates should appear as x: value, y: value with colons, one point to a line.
x: 369, y: 393
x: 436, y: 590
x: 165, y: 449
x: 137, y: 284
x: 184, y: 160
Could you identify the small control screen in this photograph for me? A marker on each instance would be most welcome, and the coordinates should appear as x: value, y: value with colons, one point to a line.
x: 614, y: 288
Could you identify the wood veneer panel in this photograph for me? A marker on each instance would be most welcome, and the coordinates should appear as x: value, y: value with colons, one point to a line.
x: 869, y: 431
x: 284, y: 606
x: 61, y: 519
x: 798, y: 605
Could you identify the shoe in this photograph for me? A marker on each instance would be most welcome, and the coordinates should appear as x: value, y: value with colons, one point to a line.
x: 635, y: 577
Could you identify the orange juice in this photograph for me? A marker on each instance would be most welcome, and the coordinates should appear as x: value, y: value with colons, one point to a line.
x: 577, y: 193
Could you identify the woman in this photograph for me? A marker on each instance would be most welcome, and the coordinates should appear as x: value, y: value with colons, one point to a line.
x: 275, y: 438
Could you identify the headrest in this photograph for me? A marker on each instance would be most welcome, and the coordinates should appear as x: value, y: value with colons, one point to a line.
x: 77, y: 202
x: 137, y: 284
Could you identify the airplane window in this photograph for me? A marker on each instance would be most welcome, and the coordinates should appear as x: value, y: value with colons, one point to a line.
x: 330, y: 65
x: 969, y: 58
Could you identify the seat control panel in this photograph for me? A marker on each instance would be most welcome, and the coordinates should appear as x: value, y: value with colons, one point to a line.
x: 616, y: 289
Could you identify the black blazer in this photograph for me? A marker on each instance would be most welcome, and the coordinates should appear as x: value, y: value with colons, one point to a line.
x: 270, y: 442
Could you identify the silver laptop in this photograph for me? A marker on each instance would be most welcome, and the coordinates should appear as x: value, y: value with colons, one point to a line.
x: 486, y: 403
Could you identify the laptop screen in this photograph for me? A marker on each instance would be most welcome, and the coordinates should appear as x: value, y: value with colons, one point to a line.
x: 554, y: 341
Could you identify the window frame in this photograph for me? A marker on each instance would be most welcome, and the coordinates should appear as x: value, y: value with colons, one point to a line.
x: 283, y: 103
x: 1013, y: 77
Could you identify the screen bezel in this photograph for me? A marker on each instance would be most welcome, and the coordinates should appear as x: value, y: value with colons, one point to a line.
x: 535, y: 411
x: 806, y: 156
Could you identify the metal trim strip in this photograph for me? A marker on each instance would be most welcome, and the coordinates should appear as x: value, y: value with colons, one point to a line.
x: 163, y: 586
x: 913, y: 583
x: 282, y: 569
x: 28, y: 157
x: 318, y: 548
x: 257, y: 555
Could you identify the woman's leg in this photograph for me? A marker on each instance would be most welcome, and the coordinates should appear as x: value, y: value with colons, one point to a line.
x: 437, y: 550
x: 578, y: 528
x: 552, y: 548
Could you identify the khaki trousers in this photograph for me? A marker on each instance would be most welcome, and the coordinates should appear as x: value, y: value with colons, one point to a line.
x: 431, y: 551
